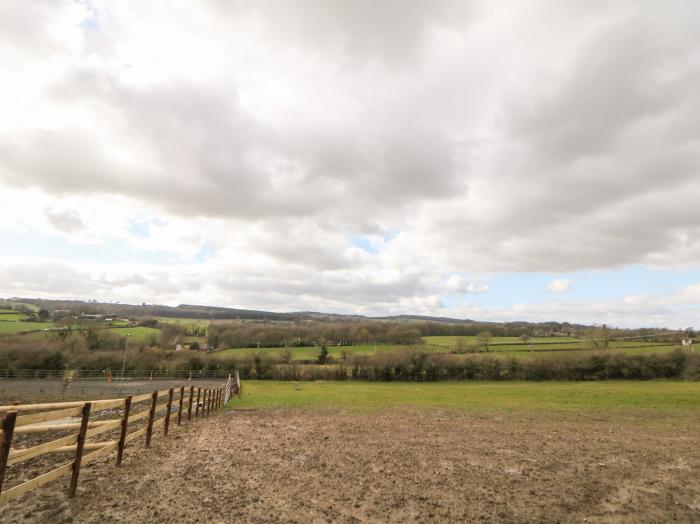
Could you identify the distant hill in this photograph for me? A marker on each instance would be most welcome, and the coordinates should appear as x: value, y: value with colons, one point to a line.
x: 224, y: 313
x: 424, y: 318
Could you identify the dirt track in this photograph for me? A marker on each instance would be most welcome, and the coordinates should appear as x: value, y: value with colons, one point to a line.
x: 398, y: 465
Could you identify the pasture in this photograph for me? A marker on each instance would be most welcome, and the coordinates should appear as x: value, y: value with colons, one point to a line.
x: 9, y: 315
x: 311, y: 353
x: 347, y: 452
x: 202, y: 322
x: 137, y: 333
x: 9, y: 328
x: 617, y: 396
x: 452, y: 341
x: 500, y: 346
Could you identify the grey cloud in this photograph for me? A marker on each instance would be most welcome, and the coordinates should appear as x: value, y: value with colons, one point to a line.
x: 617, y: 79
x: 25, y: 27
x: 585, y: 172
x: 391, y: 31
x: 67, y: 221
x: 210, y: 157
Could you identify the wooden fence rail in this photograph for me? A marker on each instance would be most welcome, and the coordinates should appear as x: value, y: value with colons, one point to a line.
x: 52, y: 417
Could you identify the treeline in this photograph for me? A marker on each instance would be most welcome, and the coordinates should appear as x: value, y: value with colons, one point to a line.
x: 417, y: 366
x: 515, y: 329
x: 76, y: 307
x: 544, y: 329
x: 310, y: 333
x: 51, y: 355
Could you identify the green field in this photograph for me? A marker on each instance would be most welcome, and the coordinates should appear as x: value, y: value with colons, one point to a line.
x: 310, y: 353
x: 619, y: 396
x: 523, y: 355
x: 138, y: 334
x: 8, y: 315
x: 189, y: 321
x: 11, y: 304
x: 501, y: 344
x: 511, y: 350
x: 7, y: 328
x: 451, y: 341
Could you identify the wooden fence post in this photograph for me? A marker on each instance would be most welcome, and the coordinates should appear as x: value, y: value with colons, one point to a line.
x: 8, y: 429
x: 167, y: 413
x: 151, y: 415
x: 179, y: 411
x: 196, y: 411
x: 189, y: 407
x: 80, y: 443
x: 122, y: 436
x: 209, y: 402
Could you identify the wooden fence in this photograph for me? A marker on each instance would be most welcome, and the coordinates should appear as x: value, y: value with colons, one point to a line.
x: 186, y: 402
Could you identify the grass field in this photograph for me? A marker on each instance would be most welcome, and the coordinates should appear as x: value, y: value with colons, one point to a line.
x: 452, y: 341
x: 8, y: 328
x: 138, y: 334
x: 309, y: 353
x: 189, y: 321
x: 500, y: 344
x: 515, y: 350
x: 11, y: 316
x: 627, y: 396
x: 524, y: 354
x: 9, y: 304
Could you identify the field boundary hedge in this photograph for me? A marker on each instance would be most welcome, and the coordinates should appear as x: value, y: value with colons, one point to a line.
x: 418, y: 366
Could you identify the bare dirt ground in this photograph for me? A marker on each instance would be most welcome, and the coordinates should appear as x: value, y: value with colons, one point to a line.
x: 397, y: 465
x: 49, y: 390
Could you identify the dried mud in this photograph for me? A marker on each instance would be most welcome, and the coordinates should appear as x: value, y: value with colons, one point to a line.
x: 393, y: 466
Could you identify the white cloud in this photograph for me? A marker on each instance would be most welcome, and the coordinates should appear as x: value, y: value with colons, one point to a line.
x: 460, y: 284
x: 559, y: 285
x: 269, y: 134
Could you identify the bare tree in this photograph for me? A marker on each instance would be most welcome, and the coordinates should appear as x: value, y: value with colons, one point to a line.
x: 484, y: 339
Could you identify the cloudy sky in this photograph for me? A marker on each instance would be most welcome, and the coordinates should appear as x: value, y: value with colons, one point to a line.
x: 515, y: 160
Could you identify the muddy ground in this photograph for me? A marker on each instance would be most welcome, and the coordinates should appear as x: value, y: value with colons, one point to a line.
x: 397, y: 465
x: 49, y: 390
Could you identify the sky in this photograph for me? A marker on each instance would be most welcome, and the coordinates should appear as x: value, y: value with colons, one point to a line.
x: 495, y: 161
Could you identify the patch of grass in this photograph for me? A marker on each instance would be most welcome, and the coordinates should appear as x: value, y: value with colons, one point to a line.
x: 623, y: 396
x: 309, y: 353
x: 189, y: 321
x: 8, y: 328
x: 520, y: 353
x: 451, y: 341
x: 11, y: 316
x: 138, y: 334
x: 12, y: 304
x: 503, y: 345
